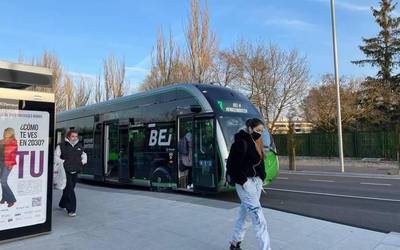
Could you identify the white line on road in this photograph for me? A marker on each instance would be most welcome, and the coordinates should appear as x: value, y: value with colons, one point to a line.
x: 375, y: 184
x: 282, y: 178
x: 335, y: 174
x: 321, y: 180
x: 333, y: 195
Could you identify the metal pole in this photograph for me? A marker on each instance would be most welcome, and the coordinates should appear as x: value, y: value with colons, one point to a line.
x: 336, y: 64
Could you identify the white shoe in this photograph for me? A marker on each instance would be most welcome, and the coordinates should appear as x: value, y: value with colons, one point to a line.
x: 71, y: 214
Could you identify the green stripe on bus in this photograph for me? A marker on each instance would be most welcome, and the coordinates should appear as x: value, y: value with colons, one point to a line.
x: 141, y: 182
x: 163, y: 184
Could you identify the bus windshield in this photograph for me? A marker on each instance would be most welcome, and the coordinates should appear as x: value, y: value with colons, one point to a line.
x: 231, y: 124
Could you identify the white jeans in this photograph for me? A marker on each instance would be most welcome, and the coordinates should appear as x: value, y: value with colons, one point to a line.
x: 250, y: 207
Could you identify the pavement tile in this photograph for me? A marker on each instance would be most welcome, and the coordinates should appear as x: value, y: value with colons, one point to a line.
x: 387, y: 247
x: 392, y: 239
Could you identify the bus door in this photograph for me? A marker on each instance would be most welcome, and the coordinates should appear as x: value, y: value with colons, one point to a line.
x: 185, y: 152
x: 111, y: 149
x: 137, y: 162
x: 204, y: 154
x: 123, y: 159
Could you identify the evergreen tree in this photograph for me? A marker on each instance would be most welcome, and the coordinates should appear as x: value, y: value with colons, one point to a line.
x: 383, y: 50
x: 382, y: 92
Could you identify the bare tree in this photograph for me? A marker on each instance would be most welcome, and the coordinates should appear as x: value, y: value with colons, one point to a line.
x: 114, y: 77
x: 201, y: 44
x: 167, y: 65
x: 21, y: 58
x: 163, y: 62
x: 83, y: 91
x: 320, y: 104
x: 52, y: 62
x: 290, y: 86
x: 151, y: 81
x: 165, y: 58
x: 225, y: 71
x: 273, y: 79
x: 97, y: 92
x: 68, y: 89
x: 180, y: 71
x: 195, y: 64
x: 253, y: 65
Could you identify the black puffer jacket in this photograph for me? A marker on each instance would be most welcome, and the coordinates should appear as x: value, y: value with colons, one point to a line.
x: 72, y: 154
x: 244, y: 160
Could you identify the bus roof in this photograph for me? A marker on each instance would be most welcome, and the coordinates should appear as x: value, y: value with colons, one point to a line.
x: 115, y: 104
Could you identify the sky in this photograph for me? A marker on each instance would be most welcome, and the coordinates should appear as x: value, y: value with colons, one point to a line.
x: 83, y: 33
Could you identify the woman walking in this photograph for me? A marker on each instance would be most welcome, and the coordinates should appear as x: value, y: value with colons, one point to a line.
x: 245, y: 168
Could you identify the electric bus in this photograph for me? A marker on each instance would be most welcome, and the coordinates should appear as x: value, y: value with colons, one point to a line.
x: 175, y: 137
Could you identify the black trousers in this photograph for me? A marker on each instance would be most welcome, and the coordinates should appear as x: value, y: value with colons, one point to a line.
x: 190, y: 175
x: 68, y: 199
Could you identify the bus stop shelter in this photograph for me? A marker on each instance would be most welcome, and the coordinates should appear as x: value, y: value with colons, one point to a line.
x: 26, y: 150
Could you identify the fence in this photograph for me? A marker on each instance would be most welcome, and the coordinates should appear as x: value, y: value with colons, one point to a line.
x: 371, y: 144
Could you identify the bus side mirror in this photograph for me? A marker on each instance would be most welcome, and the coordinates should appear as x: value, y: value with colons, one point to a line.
x: 195, y: 108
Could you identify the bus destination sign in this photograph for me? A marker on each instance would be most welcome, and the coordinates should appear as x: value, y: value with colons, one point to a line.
x: 233, y: 107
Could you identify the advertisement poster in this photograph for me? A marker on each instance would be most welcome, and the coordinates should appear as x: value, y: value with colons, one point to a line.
x: 24, y: 149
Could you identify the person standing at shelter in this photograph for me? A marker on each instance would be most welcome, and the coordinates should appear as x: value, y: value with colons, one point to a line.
x: 245, y: 168
x: 71, y: 154
x: 187, y: 157
x: 8, y: 154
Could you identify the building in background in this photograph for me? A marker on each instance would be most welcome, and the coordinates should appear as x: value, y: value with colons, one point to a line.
x: 300, y: 126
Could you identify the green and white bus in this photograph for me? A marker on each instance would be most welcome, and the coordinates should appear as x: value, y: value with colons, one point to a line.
x: 174, y: 137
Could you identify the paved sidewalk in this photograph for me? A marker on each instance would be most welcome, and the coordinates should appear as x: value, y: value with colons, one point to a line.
x: 130, y: 219
x: 352, y: 166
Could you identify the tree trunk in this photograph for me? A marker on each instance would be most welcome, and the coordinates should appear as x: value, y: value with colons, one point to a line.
x: 291, y: 147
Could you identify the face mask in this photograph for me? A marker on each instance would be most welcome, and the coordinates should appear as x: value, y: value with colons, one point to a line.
x: 255, y: 135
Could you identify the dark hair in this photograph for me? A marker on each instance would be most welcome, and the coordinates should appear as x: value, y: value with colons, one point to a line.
x: 70, y: 132
x: 254, y: 122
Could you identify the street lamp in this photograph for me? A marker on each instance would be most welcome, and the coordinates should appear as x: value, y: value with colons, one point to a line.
x: 336, y: 65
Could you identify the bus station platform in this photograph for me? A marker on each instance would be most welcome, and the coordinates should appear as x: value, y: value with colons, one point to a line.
x: 114, y: 218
